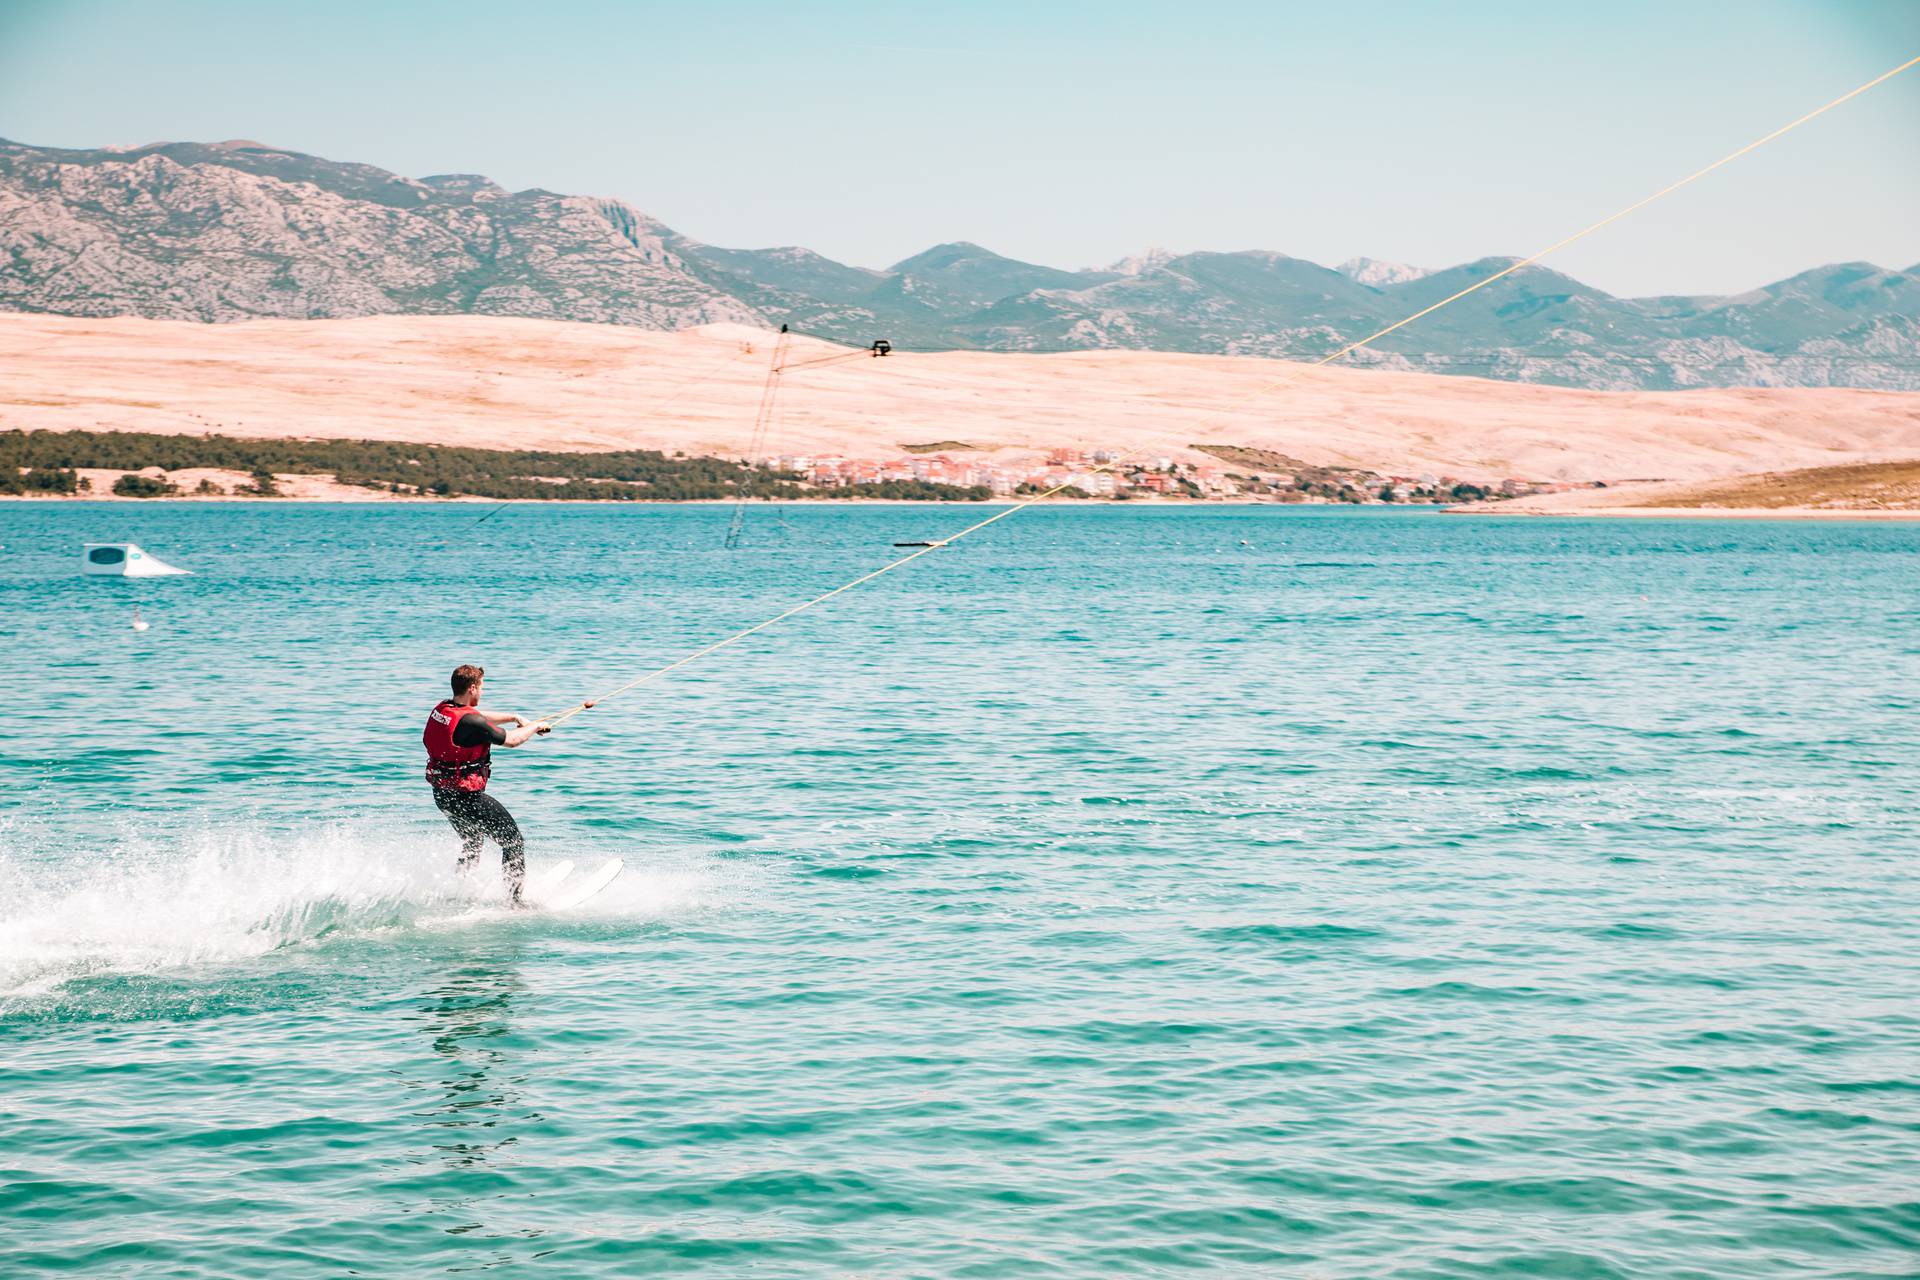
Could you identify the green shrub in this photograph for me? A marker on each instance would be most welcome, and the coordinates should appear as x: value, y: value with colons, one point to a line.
x: 630, y: 475
x: 39, y: 480
x: 132, y: 485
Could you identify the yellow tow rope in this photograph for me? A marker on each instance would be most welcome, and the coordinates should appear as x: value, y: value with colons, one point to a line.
x: 1256, y: 393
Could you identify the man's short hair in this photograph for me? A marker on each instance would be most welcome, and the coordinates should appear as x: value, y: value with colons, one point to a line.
x: 465, y: 676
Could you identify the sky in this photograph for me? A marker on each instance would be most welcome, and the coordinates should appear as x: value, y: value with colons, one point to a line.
x: 1063, y: 133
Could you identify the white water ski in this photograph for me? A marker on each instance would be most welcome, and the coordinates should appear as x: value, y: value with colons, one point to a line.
x: 578, y: 891
x: 541, y: 884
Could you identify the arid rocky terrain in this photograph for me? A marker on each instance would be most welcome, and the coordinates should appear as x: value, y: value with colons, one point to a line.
x: 529, y: 384
x: 241, y: 230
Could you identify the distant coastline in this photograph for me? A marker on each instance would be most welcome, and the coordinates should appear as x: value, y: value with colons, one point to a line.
x: 50, y: 467
x: 1882, y: 490
x: 470, y: 500
x: 1691, y: 513
x: 341, y: 411
x: 526, y: 386
x: 1481, y: 509
x: 150, y: 466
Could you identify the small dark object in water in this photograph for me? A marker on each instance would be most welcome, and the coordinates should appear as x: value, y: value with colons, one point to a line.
x: 919, y: 544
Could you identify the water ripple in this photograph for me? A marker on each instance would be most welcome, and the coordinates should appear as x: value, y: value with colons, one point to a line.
x: 1440, y: 898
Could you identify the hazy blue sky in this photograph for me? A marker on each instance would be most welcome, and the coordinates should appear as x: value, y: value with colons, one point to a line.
x: 1068, y: 134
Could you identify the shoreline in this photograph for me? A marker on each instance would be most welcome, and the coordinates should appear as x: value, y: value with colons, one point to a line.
x: 470, y: 500
x: 1510, y: 510
x: 1693, y: 513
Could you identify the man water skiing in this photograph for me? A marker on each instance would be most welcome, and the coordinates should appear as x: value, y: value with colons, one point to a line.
x: 460, y: 738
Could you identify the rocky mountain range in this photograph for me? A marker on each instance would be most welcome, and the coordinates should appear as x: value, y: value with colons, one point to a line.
x: 236, y: 230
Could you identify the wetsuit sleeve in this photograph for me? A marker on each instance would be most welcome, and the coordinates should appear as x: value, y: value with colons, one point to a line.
x: 472, y: 731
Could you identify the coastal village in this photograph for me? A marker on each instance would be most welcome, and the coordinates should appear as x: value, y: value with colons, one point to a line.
x: 1242, y: 474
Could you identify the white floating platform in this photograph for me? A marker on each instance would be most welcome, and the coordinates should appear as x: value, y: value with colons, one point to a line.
x: 124, y: 560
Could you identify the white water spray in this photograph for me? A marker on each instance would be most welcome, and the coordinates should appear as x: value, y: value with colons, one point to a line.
x: 218, y: 895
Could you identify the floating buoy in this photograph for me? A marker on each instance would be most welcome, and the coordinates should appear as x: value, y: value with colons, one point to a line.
x: 139, y: 623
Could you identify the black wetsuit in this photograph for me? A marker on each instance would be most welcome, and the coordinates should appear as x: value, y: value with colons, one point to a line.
x: 477, y: 815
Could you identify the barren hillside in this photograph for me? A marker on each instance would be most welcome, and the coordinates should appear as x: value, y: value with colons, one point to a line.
x: 513, y: 383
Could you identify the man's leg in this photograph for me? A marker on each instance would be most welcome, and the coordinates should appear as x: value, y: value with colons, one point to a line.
x: 499, y: 824
x: 466, y: 823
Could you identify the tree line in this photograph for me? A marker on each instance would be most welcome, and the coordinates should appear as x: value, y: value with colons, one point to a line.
x: 45, y: 462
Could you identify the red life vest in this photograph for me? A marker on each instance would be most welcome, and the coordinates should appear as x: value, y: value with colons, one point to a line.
x: 452, y: 768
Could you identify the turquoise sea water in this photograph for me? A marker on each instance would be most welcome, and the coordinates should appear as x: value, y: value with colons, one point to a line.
x: 1125, y: 892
